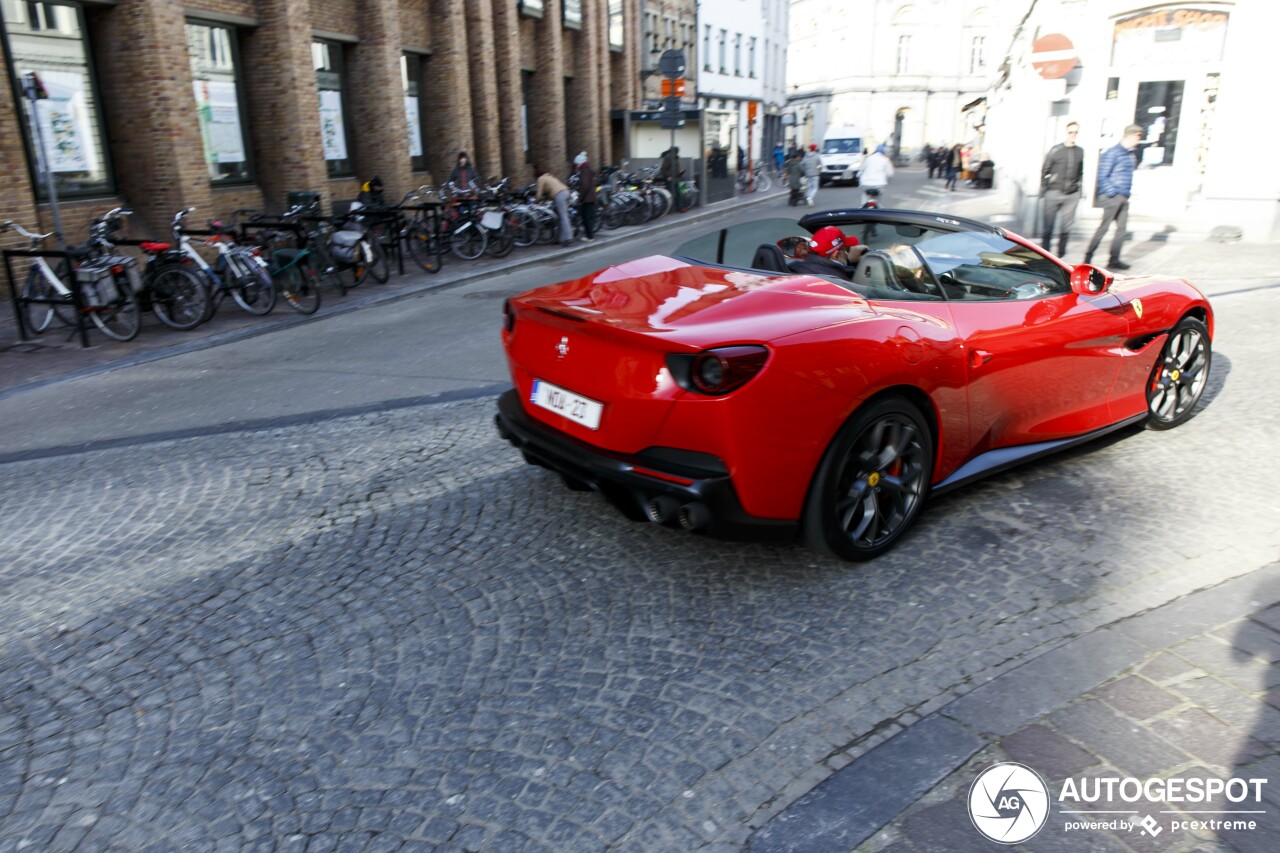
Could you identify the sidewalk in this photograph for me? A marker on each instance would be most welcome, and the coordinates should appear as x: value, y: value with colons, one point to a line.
x: 57, y: 354
x: 1188, y: 691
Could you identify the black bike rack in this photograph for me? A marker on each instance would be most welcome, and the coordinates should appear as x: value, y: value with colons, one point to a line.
x: 20, y: 302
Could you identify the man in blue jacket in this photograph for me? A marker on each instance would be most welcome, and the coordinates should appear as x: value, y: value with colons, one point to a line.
x: 1115, y: 185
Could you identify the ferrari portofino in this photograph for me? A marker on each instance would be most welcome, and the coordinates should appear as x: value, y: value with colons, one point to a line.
x: 719, y: 389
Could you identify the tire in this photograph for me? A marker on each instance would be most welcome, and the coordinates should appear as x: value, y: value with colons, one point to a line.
x: 1180, y: 375
x: 660, y: 198
x: 502, y: 241
x: 523, y: 226
x: 179, y: 298
x: 300, y: 287
x: 468, y: 242
x: 611, y: 217
x: 548, y: 227
x: 38, y: 315
x: 422, y: 248
x: 872, y: 481
x: 122, y: 319
x: 378, y: 266
x: 253, y: 289
x: 762, y: 182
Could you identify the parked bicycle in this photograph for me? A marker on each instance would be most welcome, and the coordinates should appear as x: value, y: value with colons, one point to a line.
x: 239, y: 273
x: 104, y: 289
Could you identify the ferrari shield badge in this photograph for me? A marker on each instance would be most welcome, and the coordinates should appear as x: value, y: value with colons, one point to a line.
x: 1137, y: 308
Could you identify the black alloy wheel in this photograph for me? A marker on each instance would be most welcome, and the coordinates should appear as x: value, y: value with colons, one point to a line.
x: 872, y: 481
x: 1180, y: 375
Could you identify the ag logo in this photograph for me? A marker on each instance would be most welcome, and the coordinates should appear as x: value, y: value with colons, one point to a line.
x: 1008, y: 802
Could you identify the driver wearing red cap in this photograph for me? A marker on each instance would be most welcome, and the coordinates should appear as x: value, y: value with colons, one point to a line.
x: 831, y: 252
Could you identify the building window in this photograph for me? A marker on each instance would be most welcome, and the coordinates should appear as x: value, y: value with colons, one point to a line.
x: 706, y: 47
x: 904, y: 54
x: 327, y: 58
x: 531, y: 8
x: 411, y: 75
x: 737, y: 55
x: 977, y: 54
x: 48, y: 39
x: 751, y: 59
x: 724, y: 47
x: 216, y: 78
x: 571, y: 14
x: 617, y: 39
x: 1158, y: 108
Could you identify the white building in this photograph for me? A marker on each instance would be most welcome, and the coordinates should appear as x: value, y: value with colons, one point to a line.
x: 901, y: 71
x: 1193, y: 74
x: 739, y: 48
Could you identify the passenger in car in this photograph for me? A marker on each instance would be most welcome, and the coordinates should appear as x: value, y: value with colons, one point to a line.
x: 831, y: 252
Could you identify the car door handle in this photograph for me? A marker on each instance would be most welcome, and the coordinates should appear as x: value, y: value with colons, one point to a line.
x: 978, y: 357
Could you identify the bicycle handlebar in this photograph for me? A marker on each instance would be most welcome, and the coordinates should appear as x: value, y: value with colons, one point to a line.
x: 9, y: 223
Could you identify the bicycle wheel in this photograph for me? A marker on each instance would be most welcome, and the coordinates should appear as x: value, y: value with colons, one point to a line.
x: 328, y: 267
x: 612, y: 216
x: 371, y: 261
x: 422, y: 247
x: 252, y: 288
x: 501, y: 241
x: 38, y: 315
x: 762, y: 182
x: 300, y: 286
x: 119, y: 319
x: 179, y: 298
x: 524, y: 227
x: 469, y: 242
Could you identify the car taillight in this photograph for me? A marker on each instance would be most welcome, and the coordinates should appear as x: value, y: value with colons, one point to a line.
x: 724, y: 369
x: 508, y: 316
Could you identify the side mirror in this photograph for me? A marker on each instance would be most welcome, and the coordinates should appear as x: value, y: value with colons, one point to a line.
x: 794, y: 247
x: 1088, y: 280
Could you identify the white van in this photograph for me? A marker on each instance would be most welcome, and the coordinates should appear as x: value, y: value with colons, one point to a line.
x: 841, y: 155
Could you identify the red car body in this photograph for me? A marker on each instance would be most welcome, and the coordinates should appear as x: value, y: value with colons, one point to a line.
x: 997, y: 380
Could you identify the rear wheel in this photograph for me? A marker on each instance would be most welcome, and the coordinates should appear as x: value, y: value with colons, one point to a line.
x: 1180, y: 375
x: 254, y: 291
x: 422, y: 247
x: 524, y: 227
x: 300, y: 287
x: 379, y: 266
x: 871, y: 482
x: 179, y: 298
x: 119, y: 319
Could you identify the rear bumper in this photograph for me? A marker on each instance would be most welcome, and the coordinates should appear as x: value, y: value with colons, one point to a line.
x: 633, y: 482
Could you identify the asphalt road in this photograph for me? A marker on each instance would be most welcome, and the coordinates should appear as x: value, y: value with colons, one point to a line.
x: 247, y: 604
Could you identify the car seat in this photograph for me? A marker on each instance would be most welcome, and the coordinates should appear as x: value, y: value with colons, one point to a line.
x: 876, y: 270
x: 769, y: 257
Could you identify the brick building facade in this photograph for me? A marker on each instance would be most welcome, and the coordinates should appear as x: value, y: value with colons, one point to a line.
x: 226, y: 104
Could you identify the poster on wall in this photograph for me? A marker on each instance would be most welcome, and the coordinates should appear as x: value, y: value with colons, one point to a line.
x: 331, y: 129
x: 415, y: 125
x: 220, y: 120
x: 60, y: 122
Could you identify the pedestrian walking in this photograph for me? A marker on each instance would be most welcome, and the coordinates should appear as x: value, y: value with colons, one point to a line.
x: 812, y: 166
x: 795, y: 179
x: 951, y: 163
x: 931, y: 160
x: 1061, y: 177
x: 875, y: 174
x: 1115, y: 185
x: 549, y: 186
x: 779, y: 157
x: 586, y: 195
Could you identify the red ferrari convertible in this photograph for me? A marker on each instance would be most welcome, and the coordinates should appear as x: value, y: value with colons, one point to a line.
x: 721, y: 389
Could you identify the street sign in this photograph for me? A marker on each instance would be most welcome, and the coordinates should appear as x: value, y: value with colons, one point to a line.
x: 752, y: 108
x: 1053, y: 56
x: 671, y: 63
x: 672, y: 113
x: 673, y: 87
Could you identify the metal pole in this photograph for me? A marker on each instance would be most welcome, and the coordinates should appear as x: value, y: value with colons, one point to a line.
x: 31, y: 89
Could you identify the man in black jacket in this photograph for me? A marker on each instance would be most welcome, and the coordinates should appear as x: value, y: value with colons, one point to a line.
x: 1060, y: 181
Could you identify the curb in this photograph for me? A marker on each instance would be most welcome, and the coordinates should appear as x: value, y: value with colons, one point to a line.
x: 857, y: 801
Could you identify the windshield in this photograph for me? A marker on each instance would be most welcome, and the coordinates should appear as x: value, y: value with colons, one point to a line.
x: 842, y: 146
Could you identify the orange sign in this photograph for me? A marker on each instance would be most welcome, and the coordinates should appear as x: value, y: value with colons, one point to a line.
x: 752, y: 106
x: 673, y: 88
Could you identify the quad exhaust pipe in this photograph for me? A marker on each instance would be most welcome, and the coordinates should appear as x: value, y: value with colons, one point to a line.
x: 665, y: 509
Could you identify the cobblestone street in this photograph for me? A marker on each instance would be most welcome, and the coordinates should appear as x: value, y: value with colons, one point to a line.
x: 383, y: 631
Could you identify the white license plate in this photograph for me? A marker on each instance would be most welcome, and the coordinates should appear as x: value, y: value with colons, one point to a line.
x: 572, y: 406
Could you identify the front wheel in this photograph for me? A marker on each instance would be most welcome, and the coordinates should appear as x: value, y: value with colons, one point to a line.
x: 423, y: 248
x: 871, y: 483
x: 300, y: 287
x: 378, y: 266
x: 468, y: 242
x: 1180, y: 375
x: 254, y: 291
x: 39, y: 315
